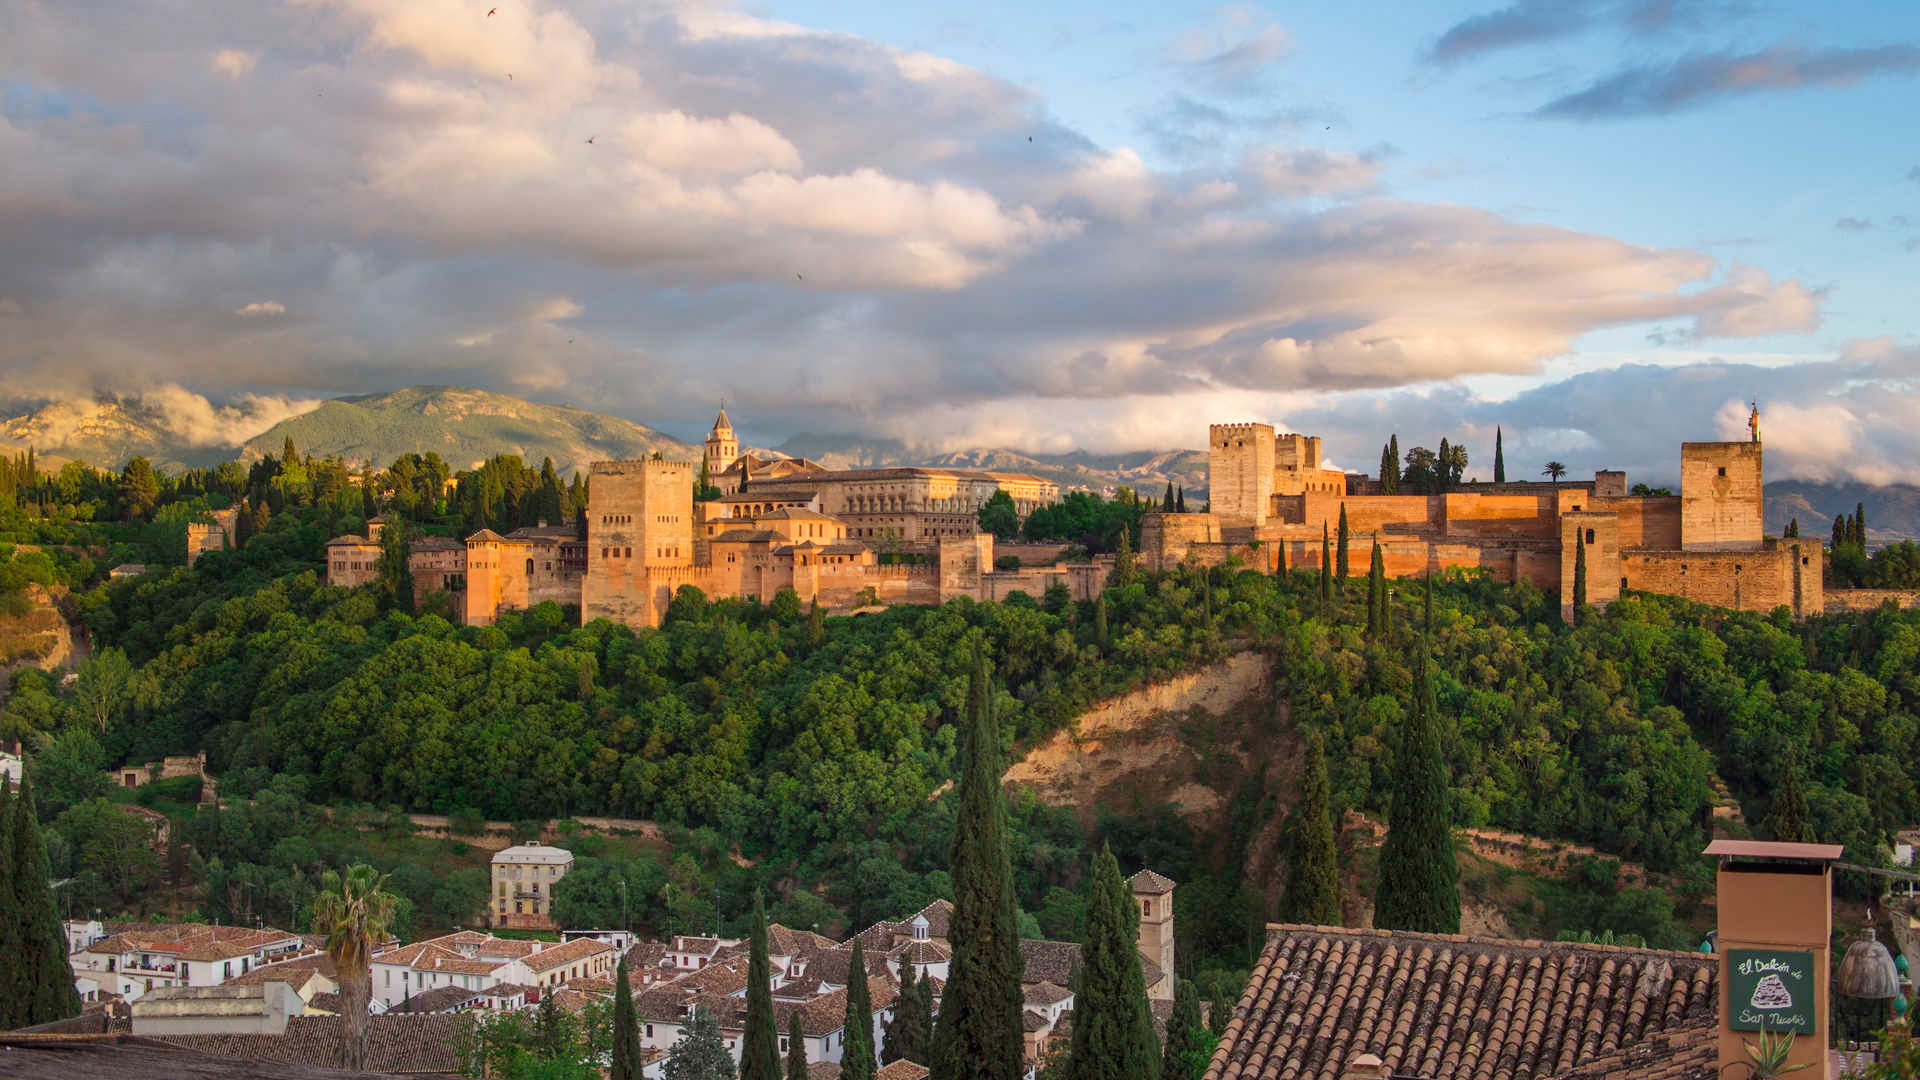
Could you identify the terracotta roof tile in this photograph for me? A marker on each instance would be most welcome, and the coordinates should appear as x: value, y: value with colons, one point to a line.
x: 1433, y: 1005
x: 577, y: 949
x: 401, y: 1044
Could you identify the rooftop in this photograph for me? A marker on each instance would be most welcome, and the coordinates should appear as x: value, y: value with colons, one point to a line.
x: 130, y: 1057
x: 531, y: 853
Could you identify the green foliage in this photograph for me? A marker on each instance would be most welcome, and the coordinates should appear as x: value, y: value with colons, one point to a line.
x: 1326, y: 567
x: 1787, y: 821
x: 1579, y: 576
x: 1000, y: 517
x: 610, y: 892
x: 699, y: 1053
x: 1189, y: 1044
x: 857, y: 1058
x: 1087, y: 519
x: 1312, y: 892
x: 796, y: 1047
x: 760, y: 1042
x: 39, y: 986
x: 1340, y: 557
x: 1419, y: 885
x: 1113, y: 1036
x: 1499, y: 457
x: 910, y: 1030
x: 978, y: 1031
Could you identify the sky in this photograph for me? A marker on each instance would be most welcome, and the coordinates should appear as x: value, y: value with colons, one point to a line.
x: 1603, y: 226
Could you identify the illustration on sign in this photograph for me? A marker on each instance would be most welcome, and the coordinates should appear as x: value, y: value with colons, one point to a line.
x: 1769, y: 990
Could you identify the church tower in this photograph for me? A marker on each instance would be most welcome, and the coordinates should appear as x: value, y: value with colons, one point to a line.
x: 722, y: 447
x: 1154, y: 894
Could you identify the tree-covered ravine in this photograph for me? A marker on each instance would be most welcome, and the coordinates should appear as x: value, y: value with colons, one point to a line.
x: 812, y: 760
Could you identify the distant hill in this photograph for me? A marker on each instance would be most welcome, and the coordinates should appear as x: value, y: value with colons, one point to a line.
x: 464, y: 427
x: 104, y: 433
x: 1146, y: 471
x: 1893, y: 512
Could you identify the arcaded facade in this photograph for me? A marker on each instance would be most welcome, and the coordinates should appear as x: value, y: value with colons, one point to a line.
x: 1270, y: 495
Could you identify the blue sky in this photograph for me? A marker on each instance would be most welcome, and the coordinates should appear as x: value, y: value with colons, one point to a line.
x: 1601, y: 225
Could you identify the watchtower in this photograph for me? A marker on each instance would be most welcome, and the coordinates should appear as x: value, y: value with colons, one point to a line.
x: 639, y: 520
x: 1240, y: 473
x: 1154, y: 894
x: 1721, y: 500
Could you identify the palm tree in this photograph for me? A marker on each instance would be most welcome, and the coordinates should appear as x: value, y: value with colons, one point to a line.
x: 352, y: 913
x: 1554, y: 471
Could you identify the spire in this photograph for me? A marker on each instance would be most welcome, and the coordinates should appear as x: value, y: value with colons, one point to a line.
x: 721, y: 423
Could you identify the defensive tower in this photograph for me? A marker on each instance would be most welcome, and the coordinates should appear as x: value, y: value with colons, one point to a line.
x: 1240, y: 473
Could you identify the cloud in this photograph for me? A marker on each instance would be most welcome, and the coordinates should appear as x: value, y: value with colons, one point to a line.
x: 1913, y: 174
x: 1231, y: 51
x: 1697, y: 79
x: 1853, y: 224
x: 1527, y: 23
x: 830, y: 232
x: 233, y: 63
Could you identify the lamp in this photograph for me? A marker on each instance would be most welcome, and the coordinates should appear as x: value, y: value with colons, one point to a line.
x: 1868, y: 970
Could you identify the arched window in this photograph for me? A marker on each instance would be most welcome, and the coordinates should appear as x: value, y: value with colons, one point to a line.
x: 529, y: 566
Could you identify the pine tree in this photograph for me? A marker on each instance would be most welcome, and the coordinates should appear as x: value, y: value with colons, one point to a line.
x: 13, y: 973
x: 46, y: 990
x: 1839, y: 533
x: 856, y: 1059
x: 1326, y: 566
x: 1793, y: 528
x: 796, y: 1047
x: 1312, y: 892
x: 1340, y: 556
x: 626, y: 1029
x: 1499, y: 458
x: 1189, y: 1044
x: 979, y: 1032
x: 1419, y: 887
x: 1100, y: 621
x: 760, y: 1042
x: 1180, y: 500
x: 1113, y: 1035
x: 907, y: 1031
x: 1123, y: 571
x: 1786, y: 819
x: 1579, y: 575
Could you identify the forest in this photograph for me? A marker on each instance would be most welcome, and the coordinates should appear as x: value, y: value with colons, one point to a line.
x: 808, y: 757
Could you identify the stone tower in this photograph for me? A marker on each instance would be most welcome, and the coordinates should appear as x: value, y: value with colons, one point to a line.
x: 639, y: 539
x: 1240, y: 473
x: 722, y: 447
x: 1721, y: 496
x: 1154, y: 894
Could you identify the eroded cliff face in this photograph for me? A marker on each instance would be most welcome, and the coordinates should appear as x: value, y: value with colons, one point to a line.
x: 1190, y: 740
x: 38, y: 637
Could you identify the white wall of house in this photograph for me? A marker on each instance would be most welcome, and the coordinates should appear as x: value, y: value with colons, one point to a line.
x: 394, y: 983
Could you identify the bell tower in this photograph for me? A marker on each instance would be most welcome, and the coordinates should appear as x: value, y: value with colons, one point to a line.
x: 722, y: 447
x: 1154, y: 895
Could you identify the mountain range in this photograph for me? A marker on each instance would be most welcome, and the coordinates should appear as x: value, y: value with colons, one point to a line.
x: 466, y: 426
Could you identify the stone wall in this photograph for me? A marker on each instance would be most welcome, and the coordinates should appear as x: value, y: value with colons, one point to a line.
x: 1721, y: 499
x: 1468, y: 514
x: 1652, y: 522
x: 1744, y: 580
x: 1240, y: 472
x: 1600, y: 533
x: 1165, y: 539
x: 1839, y: 600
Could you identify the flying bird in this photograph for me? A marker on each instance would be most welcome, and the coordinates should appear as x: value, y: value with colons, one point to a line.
x: 490, y: 12
x: 797, y: 277
x: 509, y: 76
x: 590, y: 139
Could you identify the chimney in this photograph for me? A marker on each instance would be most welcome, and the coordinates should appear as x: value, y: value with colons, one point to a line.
x: 1365, y: 1067
x: 1776, y: 926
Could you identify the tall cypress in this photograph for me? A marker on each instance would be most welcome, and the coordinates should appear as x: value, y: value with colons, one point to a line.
x: 1839, y: 533
x: 46, y: 979
x: 1313, y: 868
x: 1386, y: 470
x: 1100, y: 621
x: 1579, y: 574
x: 907, y: 1031
x: 979, y: 1033
x: 13, y: 974
x: 1419, y: 887
x: 1123, y: 569
x: 1326, y: 566
x: 1499, y: 458
x: 626, y: 1032
x: 1189, y: 1044
x: 856, y: 1059
x: 1166, y: 503
x: 1113, y: 1035
x: 1393, y: 447
x: 1860, y: 525
x: 760, y: 1043
x: 1340, y: 557
x: 1376, y: 595
x: 1786, y: 819
x: 1180, y: 500
x: 796, y: 1047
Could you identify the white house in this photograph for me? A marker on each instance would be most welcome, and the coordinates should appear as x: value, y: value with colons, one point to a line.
x: 136, y: 960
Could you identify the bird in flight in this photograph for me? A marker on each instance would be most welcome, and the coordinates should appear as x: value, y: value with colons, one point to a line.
x: 797, y: 277
x: 490, y: 12
x: 1029, y: 138
x: 590, y: 139
x: 509, y: 76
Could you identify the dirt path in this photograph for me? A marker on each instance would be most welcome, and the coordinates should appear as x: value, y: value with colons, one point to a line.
x: 499, y: 834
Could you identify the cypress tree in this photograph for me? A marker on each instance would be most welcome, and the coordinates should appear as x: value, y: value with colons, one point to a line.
x: 1113, y: 1035
x: 816, y: 625
x: 1393, y: 445
x: 1860, y: 525
x: 1377, y: 595
x: 796, y: 1047
x: 1786, y: 819
x: 626, y: 1032
x: 13, y: 973
x: 1180, y: 500
x: 1280, y: 557
x: 856, y: 1060
x: 759, y: 1043
x: 979, y: 1031
x: 1499, y: 458
x: 1326, y: 567
x: 1386, y: 470
x: 1441, y: 475
x: 1122, y: 572
x: 1579, y: 574
x: 1340, y: 557
x: 1313, y: 871
x: 1839, y: 533
x: 907, y: 1031
x: 1189, y: 1044
x: 1793, y: 527
x: 1419, y: 887
x: 1100, y: 621
x: 45, y: 976
x: 1166, y: 502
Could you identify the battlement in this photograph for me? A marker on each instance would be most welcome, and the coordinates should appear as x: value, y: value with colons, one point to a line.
x: 639, y: 466
x: 1216, y: 432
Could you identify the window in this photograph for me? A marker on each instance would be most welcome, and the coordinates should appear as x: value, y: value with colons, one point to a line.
x: 1723, y: 470
x: 1146, y: 907
x: 1623, y: 584
x: 529, y: 566
x: 1589, y: 536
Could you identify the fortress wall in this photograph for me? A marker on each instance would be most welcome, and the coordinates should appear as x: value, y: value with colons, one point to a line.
x: 1399, y: 514
x: 1745, y: 580
x: 1165, y: 539
x: 1839, y: 600
x: 1651, y: 522
x: 1469, y: 514
x: 1721, y: 496
x: 1601, y: 534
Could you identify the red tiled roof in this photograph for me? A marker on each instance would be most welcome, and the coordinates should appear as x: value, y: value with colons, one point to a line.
x: 1436, y: 1005
x: 577, y: 949
x: 903, y: 1070
x: 395, y: 1043
x: 1146, y: 881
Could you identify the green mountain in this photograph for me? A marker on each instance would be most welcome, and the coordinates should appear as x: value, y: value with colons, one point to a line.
x: 1146, y: 471
x: 105, y: 432
x: 1893, y: 510
x: 465, y: 427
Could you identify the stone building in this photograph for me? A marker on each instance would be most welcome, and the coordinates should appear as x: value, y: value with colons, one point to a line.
x: 1270, y: 494
x: 523, y: 879
x: 214, y: 534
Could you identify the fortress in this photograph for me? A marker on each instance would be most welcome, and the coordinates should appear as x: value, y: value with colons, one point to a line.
x: 1271, y: 495
x: 846, y: 538
x: 851, y: 538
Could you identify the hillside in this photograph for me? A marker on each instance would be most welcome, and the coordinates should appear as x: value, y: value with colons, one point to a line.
x: 1893, y: 511
x: 105, y: 432
x: 1145, y: 471
x: 465, y: 427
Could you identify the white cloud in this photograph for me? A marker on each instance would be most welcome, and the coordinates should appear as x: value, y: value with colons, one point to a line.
x: 1307, y: 171
x: 259, y: 308
x: 234, y: 63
